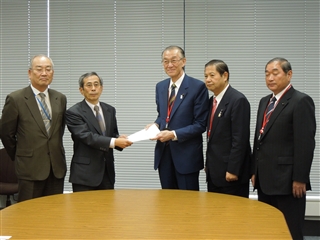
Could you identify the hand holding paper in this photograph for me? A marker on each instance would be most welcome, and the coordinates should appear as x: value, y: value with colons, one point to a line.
x: 144, y: 134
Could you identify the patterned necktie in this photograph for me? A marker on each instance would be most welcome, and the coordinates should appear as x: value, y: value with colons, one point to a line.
x: 214, y: 107
x: 270, y: 108
x: 100, y: 120
x: 45, y: 112
x: 172, y: 95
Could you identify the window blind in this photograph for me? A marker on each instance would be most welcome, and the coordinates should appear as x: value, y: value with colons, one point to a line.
x: 122, y: 41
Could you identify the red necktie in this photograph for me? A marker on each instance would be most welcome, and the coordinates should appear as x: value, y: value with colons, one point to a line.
x: 214, y: 107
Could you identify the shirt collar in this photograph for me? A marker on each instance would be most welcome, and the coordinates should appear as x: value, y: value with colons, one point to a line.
x: 220, y: 95
x: 92, y: 105
x: 36, y: 91
x: 178, y: 82
x: 279, y: 95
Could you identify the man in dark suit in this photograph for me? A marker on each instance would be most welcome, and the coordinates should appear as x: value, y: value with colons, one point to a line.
x: 94, y: 131
x: 33, y: 123
x: 182, y: 115
x: 284, y: 145
x: 228, y: 133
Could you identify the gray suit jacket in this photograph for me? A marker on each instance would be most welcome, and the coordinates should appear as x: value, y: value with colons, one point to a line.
x: 25, y: 138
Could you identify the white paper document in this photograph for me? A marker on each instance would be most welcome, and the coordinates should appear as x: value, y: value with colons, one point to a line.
x: 144, y: 134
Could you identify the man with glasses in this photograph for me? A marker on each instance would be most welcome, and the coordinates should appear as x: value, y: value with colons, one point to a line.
x: 32, y: 127
x: 94, y: 131
x: 182, y: 105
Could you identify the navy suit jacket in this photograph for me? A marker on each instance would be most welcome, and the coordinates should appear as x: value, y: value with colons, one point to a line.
x: 228, y: 148
x: 284, y: 153
x: 91, y: 152
x: 188, y: 119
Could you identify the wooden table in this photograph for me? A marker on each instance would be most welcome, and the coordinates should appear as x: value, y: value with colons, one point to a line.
x: 142, y: 214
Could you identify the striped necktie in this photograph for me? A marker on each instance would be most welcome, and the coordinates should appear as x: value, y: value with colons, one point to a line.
x: 172, y: 96
x: 45, y: 112
x: 270, y: 108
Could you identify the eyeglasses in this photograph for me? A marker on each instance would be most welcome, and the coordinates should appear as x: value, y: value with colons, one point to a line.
x: 90, y: 85
x: 173, y: 61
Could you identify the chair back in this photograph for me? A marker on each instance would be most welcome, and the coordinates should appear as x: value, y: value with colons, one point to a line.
x: 8, y: 178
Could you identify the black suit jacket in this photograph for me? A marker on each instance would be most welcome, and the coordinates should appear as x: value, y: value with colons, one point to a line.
x: 91, y: 152
x: 284, y: 153
x: 228, y: 148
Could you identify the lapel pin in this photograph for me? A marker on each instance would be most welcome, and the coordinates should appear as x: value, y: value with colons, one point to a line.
x: 220, y: 113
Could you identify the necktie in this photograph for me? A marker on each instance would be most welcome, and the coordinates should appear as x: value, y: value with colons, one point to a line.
x: 45, y: 112
x: 214, y: 107
x: 172, y: 95
x: 270, y: 108
x: 100, y: 120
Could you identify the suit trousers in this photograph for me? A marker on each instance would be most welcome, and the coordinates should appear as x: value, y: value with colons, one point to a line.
x: 241, y: 190
x: 170, y: 178
x: 33, y: 189
x: 292, y: 208
x: 104, y: 185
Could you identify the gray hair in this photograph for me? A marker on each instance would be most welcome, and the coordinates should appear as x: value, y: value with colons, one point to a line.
x: 284, y: 63
x: 39, y: 55
x: 84, y: 76
x: 172, y: 47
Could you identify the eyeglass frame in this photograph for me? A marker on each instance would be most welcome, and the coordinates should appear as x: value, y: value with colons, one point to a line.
x: 173, y: 61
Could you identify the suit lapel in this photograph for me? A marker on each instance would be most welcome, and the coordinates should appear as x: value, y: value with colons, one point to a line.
x: 283, y: 102
x: 164, y: 98
x: 88, y: 113
x: 55, y: 109
x: 107, y: 118
x: 182, y: 93
x: 221, y: 109
x: 34, y: 109
x: 263, y: 106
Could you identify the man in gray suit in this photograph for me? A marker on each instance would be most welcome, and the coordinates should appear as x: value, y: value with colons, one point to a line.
x: 94, y: 131
x: 32, y: 127
x: 284, y: 145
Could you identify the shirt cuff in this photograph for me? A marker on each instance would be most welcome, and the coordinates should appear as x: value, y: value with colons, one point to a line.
x: 112, y: 143
x: 175, y: 136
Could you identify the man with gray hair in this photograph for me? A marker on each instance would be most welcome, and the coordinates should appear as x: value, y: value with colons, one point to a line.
x: 32, y: 127
x: 284, y: 144
x: 94, y: 131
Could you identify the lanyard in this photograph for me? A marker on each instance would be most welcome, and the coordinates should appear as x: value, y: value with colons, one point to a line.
x: 265, y: 118
x: 43, y: 109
